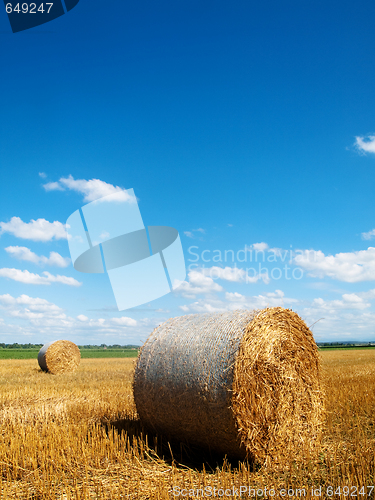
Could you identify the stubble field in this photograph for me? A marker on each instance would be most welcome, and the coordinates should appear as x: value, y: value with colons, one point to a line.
x: 77, y: 436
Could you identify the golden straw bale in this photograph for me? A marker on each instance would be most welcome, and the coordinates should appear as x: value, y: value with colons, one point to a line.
x: 61, y: 356
x: 242, y: 383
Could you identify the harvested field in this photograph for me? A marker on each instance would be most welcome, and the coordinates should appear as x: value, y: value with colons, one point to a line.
x: 77, y: 436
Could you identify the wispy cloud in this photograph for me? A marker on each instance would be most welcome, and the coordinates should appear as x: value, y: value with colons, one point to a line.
x: 370, y: 294
x: 35, y: 230
x: 92, y: 189
x: 36, y: 279
x: 369, y: 235
x: 235, y: 300
x: 24, y: 253
x: 193, y: 232
x: 53, y: 186
x: 365, y: 144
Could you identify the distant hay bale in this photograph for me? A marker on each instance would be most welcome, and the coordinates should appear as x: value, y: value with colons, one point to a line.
x: 241, y: 383
x: 61, y: 356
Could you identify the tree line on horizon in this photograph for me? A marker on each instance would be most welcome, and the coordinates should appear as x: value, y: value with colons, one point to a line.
x: 16, y: 345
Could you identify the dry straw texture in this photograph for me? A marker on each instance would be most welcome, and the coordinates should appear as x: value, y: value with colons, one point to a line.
x: 61, y: 356
x: 80, y: 439
x: 242, y: 383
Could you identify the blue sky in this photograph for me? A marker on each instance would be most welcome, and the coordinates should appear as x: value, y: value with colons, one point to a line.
x: 243, y: 125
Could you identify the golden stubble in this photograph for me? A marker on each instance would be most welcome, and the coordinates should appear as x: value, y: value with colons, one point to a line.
x: 77, y: 436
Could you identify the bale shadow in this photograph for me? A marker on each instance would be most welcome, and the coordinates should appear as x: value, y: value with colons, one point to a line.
x: 181, y: 454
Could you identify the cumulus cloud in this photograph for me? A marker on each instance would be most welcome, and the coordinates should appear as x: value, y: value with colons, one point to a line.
x: 350, y: 267
x: 259, y: 247
x: 348, y: 301
x: 36, y: 279
x: 35, y: 230
x: 346, y: 318
x: 365, y: 144
x: 92, y: 189
x: 35, y: 304
x: 369, y: 235
x: 198, y: 284
x: 24, y: 253
x: 30, y: 308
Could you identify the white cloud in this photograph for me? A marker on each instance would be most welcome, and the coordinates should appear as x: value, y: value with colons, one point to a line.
x: 198, y: 284
x: 238, y: 301
x: 34, y: 304
x: 341, y: 319
x: 92, y: 189
x: 204, y: 306
x: 260, y: 247
x: 190, y: 234
x: 36, y: 230
x: 235, y: 274
x: 53, y: 186
x: 124, y: 321
x: 349, y: 301
x: 345, y: 318
x: 42, y: 175
x: 42, y: 318
x: 103, y: 236
x: 368, y: 236
x: 365, y: 144
x: 235, y: 297
x: 350, y: 267
x: 24, y: 253
x: 29, y: 308
x: 271, y: 299
x: 37, y: 279
x: 370, y: 294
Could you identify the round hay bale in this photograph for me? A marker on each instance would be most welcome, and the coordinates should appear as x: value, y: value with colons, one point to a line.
x: 241, y: 383
x: 61, y: 356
